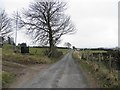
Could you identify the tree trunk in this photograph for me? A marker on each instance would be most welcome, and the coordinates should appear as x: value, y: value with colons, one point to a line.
x: 51, y: 43
x: 52, y: 46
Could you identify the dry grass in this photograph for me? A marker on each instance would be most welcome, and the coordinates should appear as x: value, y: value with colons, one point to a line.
x: 98, y: 72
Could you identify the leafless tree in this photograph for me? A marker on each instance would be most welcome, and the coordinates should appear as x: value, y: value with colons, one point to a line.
x: 5, y: 24
x: 68, y: 44
x: 47, y: 22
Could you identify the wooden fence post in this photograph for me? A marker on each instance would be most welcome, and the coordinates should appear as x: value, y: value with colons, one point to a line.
x: 87, y: 56
x: 99, y: 58
x: 110, y: 63
x: 92, y: 57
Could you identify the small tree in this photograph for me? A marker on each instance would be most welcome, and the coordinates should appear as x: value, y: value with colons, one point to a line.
x: 9, y: 40
x: 67, y: 44
x: 74, y: 47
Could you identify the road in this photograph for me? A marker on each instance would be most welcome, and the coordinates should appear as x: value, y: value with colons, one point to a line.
x: 63, y: 74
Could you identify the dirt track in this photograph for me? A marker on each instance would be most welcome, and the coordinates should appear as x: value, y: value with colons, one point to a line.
x: 63, y: 74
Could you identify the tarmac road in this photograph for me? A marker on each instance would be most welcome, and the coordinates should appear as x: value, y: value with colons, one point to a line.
x: 63, y: 74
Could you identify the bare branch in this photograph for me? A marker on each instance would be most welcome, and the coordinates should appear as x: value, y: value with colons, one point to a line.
x: 5, y: 24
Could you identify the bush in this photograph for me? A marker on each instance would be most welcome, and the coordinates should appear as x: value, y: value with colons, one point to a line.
x: 55, y: 54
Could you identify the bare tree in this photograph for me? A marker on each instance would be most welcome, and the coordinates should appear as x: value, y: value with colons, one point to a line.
x: 68, y: 44
x: 47, y: 22
x: 5, y: 24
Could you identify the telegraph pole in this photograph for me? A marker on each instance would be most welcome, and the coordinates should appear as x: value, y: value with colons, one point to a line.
x: 16, y: 22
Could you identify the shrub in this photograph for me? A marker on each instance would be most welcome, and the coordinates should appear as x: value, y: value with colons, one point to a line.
x: 55, y: 54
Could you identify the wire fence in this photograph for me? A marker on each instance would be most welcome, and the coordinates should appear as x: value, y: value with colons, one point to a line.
x: 110, y: 58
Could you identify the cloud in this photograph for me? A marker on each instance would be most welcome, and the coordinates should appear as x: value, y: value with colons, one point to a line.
x: 96, y: 21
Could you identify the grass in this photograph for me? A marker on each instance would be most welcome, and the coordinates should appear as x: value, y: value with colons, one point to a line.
x: 0, y: 55
x: 35, y: 56
x: 94, y: 51
x: 102, y: 77
x: 37, y: 51
x: 63, y: 50
x: 7, y: 78
x: 0, y: 67
x: 26, y: 59
x: 0, y: 51
x: 40, y: 51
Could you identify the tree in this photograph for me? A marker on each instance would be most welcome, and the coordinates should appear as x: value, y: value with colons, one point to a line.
x: 47, y: 22
x: 5, y: 24
x: 74, y: 48
x: 10, y: 40
x: 67, y: 44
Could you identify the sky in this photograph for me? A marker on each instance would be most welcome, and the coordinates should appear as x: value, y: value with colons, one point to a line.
x: 96, y: 22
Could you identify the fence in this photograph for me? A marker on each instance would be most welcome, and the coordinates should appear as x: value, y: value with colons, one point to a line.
x: 109, y: 59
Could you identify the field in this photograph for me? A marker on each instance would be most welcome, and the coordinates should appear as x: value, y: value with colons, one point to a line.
x: 14, y: 63
x: 39, y: 51
x: 99, y: 68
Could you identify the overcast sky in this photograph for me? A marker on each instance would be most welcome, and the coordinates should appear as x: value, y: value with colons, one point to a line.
x: 96, y: 22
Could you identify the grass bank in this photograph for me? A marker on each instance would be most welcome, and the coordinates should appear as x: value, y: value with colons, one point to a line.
x: 7, y: 78
x: 98, y: 72
x: 35, y: 56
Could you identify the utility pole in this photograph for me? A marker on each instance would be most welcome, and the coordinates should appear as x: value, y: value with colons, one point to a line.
x: 16, y: 22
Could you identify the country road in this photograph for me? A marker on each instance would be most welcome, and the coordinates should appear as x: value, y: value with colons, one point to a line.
x: 63, y: 74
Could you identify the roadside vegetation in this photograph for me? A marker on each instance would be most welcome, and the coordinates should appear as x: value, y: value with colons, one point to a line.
x: 13, y: 63
x: 100, y: 66
x: 7, y: 78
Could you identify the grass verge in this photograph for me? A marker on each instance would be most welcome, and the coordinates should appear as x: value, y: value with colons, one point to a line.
x: 7, y: 78
x: 101, y: 77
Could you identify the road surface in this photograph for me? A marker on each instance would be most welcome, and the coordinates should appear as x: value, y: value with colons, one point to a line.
x: 63, y: 74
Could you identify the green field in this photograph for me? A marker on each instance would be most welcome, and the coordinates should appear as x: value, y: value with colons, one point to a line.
x: 63, y: 50
x: 37, y: 51
x: 40, y: 51
x: 93, y: 51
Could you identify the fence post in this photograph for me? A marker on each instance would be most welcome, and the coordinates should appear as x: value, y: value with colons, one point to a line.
x: 99, y: 58
x: 82, y: 54
x: 87, y: 56
x: 110, y: 62
x: 92, y: 57
x: 102, y: 57
x: 99, y: 55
